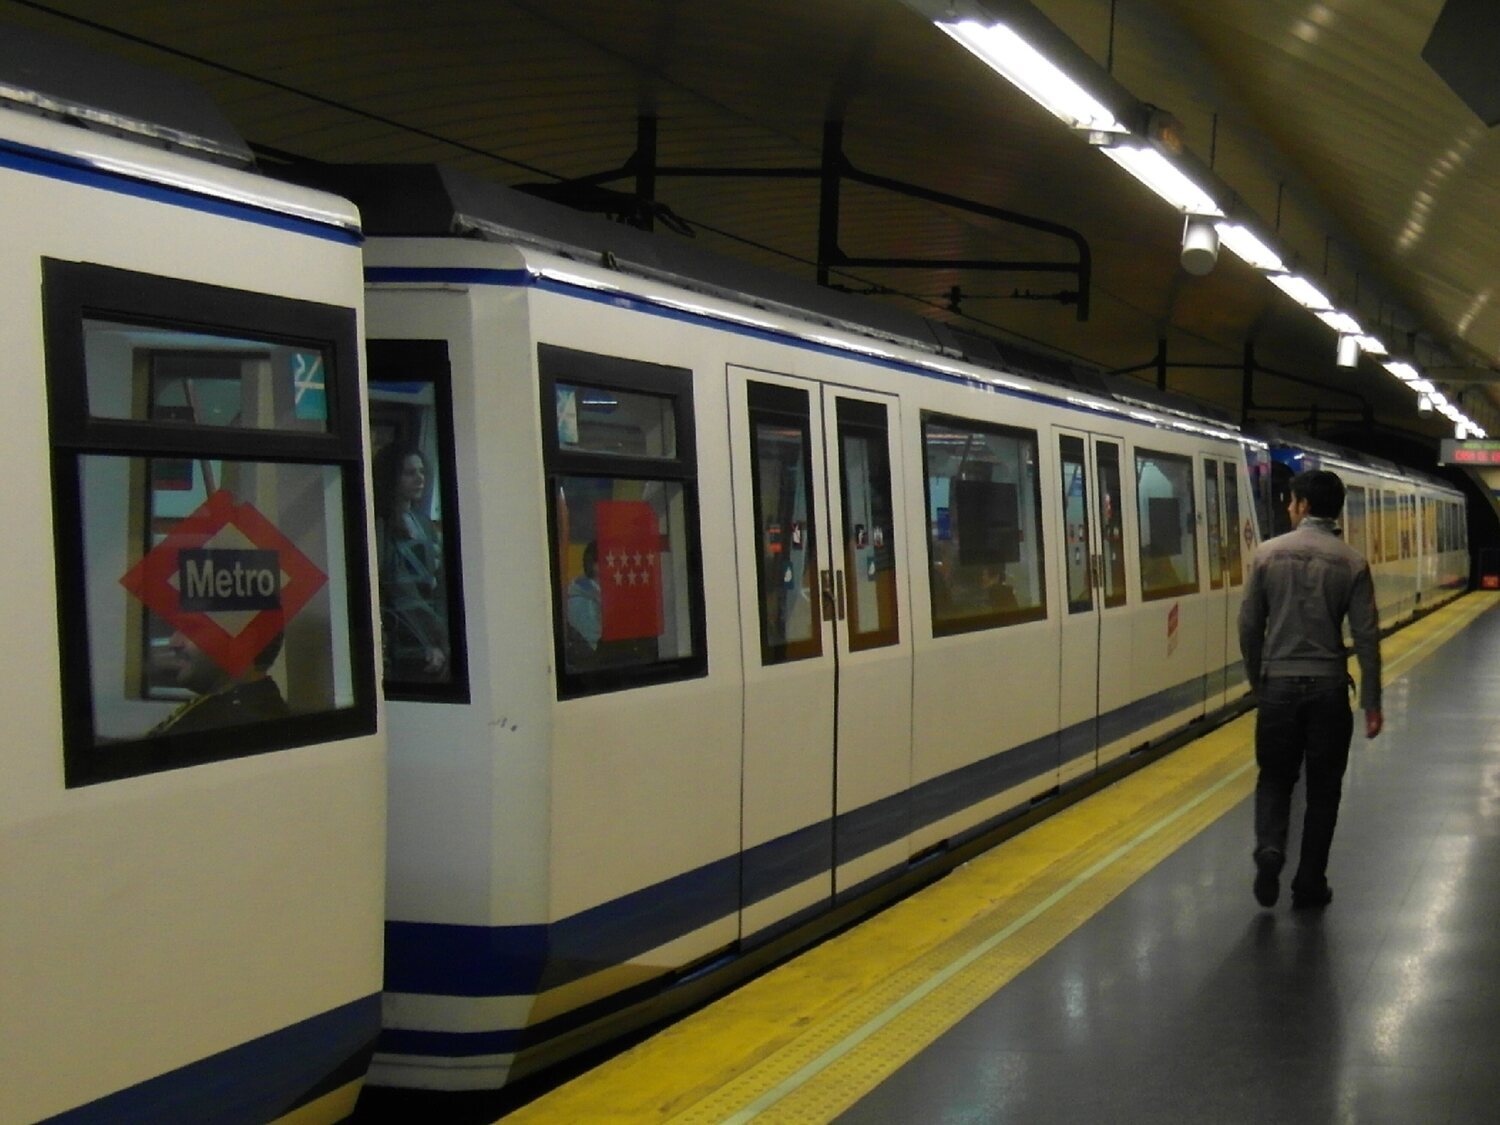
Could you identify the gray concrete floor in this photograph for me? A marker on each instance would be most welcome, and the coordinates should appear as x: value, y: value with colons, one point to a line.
x: 1184, y: 1001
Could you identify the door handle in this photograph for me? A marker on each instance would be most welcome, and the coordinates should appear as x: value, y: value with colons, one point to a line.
x: 825, y: 578
x: 1096, y: 561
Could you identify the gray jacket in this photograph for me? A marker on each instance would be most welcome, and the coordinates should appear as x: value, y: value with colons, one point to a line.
x: 1301, y: 587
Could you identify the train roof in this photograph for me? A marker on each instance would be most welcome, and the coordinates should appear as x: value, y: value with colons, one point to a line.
x: 87, y: 118
x: 428, y: 200
x: 60, y: 79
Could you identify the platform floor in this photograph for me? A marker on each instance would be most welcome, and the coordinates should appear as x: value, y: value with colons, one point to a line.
x: 1111, y: 964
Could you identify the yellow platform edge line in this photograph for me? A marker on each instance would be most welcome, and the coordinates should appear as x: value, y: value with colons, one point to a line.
x: 809, y: 1039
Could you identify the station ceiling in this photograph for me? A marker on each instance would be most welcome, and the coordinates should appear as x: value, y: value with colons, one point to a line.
x: 1375, y: 177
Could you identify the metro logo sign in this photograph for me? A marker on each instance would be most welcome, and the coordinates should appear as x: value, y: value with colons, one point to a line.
x: 227, y: 579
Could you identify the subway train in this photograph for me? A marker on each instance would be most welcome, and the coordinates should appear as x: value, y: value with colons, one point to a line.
x: 710, y: 611
x: 770, y: 599
x: 1410, y: 525
x: 192, y: 785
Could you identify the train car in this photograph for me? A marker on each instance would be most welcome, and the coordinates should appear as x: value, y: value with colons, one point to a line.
x: 192, y: 787
x: 1409, y: 525
x: 713, y: 604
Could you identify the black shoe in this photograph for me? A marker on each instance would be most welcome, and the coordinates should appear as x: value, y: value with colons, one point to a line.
x: 1312, y: 900
x: 1268, y: 863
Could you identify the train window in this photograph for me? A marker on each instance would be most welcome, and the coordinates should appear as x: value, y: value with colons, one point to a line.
x: 423, y: 656
x: 1354, y: 518
x: 1111, y: 522
x: 869, y: 524
x: 1168, y: 524
x: 209, y: 520
x: 1075, y: 500
x: 984, y: 514
x: 611, y: 421
x: 1232, y: 526
x: 622, y: 480
x: 1215, y: 531
x: 1391, y: 533
x: 1376, y: 527
x: 785, y: 521
x: 161, y: 374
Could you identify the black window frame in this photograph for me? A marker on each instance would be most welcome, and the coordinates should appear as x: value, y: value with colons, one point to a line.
x: 73, y: 292
x: 558, y: 364
x: 428, y: 361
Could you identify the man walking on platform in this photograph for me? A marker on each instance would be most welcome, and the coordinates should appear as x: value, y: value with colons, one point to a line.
x: 1301, y: 587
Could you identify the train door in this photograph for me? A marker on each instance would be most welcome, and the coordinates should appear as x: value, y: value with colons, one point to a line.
x: 827, y: 729
x: 1094, y: 587
x: 1219, y: 639
x: 1216, y: 630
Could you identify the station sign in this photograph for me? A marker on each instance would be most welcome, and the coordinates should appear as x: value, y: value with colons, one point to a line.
x: 1472, y: 452
x: 228, y: 579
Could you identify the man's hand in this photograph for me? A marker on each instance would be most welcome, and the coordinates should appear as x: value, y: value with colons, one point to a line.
x: 1374, y: 721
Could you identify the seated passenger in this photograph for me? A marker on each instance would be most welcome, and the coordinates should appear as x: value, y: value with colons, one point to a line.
x: 585, y: 611
x: 222, y: 700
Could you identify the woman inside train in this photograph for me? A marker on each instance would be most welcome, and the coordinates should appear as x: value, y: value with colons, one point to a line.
x: 409, y: 553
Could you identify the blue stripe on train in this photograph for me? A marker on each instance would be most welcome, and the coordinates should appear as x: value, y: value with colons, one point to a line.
x: 71, y: 169
x: 446, y: 960
x: 254, y: 1082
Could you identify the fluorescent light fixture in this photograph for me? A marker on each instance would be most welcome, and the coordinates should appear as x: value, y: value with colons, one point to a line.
x: 1403, y: 371
x: 1033, y: 74
x: 1341, y: 322
x: 1372, y: 345
x: 1163, y: 177
x: 1424, y: 404
x: 1304, y: 292
x: 1439, y: 399
x: 1423, y: 387
x: 1251, y: 250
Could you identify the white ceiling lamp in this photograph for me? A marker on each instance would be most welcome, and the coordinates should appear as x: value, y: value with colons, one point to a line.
x: 1021, y: 64
x: 1423, y: 387
x: 1153, y: 169
x: 1304, y: 292
x: 1348, y: 355
x: 1243, y: 243
x: 1372, y: 345
x: 1200, y: 245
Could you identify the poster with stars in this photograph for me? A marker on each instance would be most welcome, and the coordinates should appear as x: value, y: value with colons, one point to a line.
x: 629, y: 563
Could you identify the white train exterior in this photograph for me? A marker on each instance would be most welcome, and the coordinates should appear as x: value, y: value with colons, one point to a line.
x: 191, y: 892
x: 861, y: 603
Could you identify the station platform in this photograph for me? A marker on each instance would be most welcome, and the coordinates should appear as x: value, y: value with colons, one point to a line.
x: 1111, y: 963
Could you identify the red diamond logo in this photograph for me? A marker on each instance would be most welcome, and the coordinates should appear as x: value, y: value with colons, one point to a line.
x: 227, y: 579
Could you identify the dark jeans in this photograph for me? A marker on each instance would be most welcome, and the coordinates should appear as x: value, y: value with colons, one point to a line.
x: 1301, y: 717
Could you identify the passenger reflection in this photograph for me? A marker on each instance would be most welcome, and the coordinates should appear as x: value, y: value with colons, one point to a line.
x: 221, y: 699
x: 409, y: 553
x: 585, y: 624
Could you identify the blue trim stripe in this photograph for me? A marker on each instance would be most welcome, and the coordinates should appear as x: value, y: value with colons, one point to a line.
x: 776, y: 865
x: 254, y: 1082
x: 415, y: 275
x: 438, y: 959
x: 70, y: 169
x: 470, y: 276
